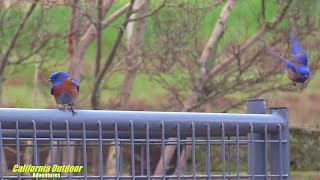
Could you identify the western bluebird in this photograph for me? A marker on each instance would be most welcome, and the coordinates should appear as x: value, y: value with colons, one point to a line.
x: 297, y: 67
x: 64, y: 89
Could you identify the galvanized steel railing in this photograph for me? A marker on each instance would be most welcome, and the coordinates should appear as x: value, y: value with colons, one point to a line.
x: 215, y: 137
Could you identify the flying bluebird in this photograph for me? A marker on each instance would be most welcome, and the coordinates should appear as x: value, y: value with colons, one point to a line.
x: 64, y: 89
x: 297, y: 66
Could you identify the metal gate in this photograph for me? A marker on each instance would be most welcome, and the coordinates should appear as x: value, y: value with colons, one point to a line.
x: 39, y: 143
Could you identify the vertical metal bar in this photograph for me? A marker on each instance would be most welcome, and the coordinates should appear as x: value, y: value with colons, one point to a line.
x: 285, y: 145
x: 256, y: 106
x: 39, y: 161
x: 194, y: 172
x: 117, y: 149
x: 252, y: 153
x: 142, y: 159
x: 68, y: 146
x: 238, y: 152
x: 79, y: 155
x: 280, y: 151
x: 1, y: 153
x: 266, y: 150
x: 35, y: 145
x: 185, y: 159
x: 120, y: 158
x: 208, y: 157
x: 84, y: 145
x: 120, y: 153
x: 100, y: 151
x: 223, y: 152
x: 51, y: 144
x: 178, y: 152
x: 18, y: 146
x: 132, y: 151
x: 163, y: 152
x: 59, y: 153
x: 148, y: 151
x: 229, y: 158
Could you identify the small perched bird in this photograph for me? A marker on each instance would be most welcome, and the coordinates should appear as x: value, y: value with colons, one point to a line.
x: 297, y: 66
x: 64, y: 89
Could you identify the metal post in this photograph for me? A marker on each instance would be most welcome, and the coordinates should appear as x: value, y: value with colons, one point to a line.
x: 280, y: 152
x: 256, y: 151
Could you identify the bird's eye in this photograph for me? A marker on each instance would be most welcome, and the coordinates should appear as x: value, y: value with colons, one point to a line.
x: 57, y: 76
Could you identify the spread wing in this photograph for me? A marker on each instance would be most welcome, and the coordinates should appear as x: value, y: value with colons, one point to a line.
x: 76, y: 83
x: 298, y: 54
x: 51, y: 90
x: 293, y: 66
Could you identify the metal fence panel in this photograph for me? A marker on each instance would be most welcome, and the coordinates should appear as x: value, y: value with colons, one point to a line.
x: 223, y: 146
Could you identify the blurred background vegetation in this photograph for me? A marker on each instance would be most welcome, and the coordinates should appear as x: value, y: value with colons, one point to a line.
x: 164, y: 64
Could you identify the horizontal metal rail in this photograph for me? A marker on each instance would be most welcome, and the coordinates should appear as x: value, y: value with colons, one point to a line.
x: 123, y: 119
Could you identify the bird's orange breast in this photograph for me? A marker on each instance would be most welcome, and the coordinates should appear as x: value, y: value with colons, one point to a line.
x: 291, y: 75
x: 67, y: 86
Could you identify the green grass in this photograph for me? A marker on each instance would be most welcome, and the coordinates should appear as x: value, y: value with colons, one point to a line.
x: 305, y: 175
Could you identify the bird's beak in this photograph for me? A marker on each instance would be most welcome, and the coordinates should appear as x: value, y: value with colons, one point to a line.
x: 306, y: 76
x: 49, y: 80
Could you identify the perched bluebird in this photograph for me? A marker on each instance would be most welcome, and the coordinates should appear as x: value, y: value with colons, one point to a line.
x: 64, y: 89
x: 297, y: 67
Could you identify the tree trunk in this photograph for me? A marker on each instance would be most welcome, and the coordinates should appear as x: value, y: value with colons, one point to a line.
x: 75, y: 66
x: 99, y: 38
x: 134, y: 39
x: 95, y: 94
x: 1, y: 90
x: 75, y: 61
x: 4, y: 159
x: 134, y: 42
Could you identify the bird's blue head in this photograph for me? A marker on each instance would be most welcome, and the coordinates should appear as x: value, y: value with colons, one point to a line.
x: 303, y: 73
x: 56, y: 78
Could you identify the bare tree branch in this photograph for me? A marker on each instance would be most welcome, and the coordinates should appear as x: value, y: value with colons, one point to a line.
x: 151, y: 13
x: 263, y: 10
x: 87, y: 38
x: 37, y: 49
x: 207, y: 53
x: 89, y: 15
x: 5, y: 56
x: 266, y: 27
